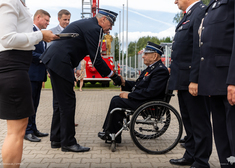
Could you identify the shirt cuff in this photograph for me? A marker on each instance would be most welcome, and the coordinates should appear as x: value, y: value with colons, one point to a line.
x: 111, y: 73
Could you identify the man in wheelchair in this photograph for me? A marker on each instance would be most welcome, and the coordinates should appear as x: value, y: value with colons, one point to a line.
x: 150, y: 85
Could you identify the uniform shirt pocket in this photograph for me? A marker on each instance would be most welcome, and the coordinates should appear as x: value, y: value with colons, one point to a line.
x: 219, y: 11
x: 222, y: 60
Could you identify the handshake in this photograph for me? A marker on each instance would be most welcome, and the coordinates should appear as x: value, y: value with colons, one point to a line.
x: 116, y: 80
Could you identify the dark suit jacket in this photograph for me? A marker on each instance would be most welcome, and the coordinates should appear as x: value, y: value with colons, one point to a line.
x: 64, y: 55
x: 150, y: 85
x: 185, y: 49
x: 217, y: 65
x: 37, y: 70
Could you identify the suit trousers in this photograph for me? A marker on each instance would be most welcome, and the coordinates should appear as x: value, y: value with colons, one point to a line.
x: 114, y: 124
x: 196, y: 119
x: 62, y: 126
x: 36, y: 92
x: 223, y: 116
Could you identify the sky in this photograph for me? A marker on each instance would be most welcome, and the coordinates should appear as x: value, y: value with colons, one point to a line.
x: 145, y: 17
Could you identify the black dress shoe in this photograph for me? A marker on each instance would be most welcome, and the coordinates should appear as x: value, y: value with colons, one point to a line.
x: 31, y: 138
x: 182, y: 145
x: 55, y: 144
x: 102, y: 136
x: 181, y: 161
x: 74, y: 148
x: 107, y: 138
x: 40, y: 134
x: 182, y: 140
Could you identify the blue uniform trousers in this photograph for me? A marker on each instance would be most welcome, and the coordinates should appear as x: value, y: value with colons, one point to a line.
x: 196, y: 119
x: 62, y: 126
x: 223, y: 116
x: 36, y: 92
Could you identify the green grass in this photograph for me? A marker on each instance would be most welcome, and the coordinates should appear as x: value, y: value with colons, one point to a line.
x: 87, y: 85
x: 48, y: 83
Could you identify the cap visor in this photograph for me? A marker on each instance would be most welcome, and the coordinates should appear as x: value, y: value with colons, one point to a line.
x: 148, y: 51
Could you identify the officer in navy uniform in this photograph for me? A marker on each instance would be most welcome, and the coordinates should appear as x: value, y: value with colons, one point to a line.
x: 184, y: 75
x: 216, y: 74
x: 150, y: 85
x: 61, y: 58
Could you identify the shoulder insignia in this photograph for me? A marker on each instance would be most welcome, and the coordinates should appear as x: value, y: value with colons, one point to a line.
x: 214, y: 5
x: 202, y: 6
x: 189, y: 12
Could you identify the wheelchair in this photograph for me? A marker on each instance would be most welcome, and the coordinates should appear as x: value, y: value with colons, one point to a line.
x: 155, y: 127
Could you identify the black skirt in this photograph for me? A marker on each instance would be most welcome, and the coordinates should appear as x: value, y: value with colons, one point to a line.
x: 15, y: 88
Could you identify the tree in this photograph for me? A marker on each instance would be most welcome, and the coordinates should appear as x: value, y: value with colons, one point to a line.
x: 116, y: 45
x: 178, y: 17
x: 141, y: 43
x: 206, y: 2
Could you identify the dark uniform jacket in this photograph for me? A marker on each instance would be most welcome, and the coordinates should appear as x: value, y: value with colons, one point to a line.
x: 37, y: 70
x: 64, y: 55
x: 217, y: 63
x: 185, y: 49
x: 150, y: 85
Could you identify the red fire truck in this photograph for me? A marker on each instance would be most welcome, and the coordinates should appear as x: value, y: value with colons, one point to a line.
x: 92, y: 75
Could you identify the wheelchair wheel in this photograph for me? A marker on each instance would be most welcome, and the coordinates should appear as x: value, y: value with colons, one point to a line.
x: 156, y: 127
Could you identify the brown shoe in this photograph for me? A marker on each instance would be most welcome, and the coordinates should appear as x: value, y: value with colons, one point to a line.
x: 75, y: 125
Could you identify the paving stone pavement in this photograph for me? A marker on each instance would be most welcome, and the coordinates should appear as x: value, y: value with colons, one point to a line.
x: 92, y: 106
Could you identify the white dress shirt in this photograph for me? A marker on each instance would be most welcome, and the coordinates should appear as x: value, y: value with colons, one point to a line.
x: 61, y: 28
x: 16, y: 27
x: 190, y: 6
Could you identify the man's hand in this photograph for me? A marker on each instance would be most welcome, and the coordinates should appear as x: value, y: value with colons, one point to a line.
x: 231, y: 94
x: 124, y: 95
x: 49, y: 76
x: 193, y: 89
x: 116, y: 79
x: 78, y: 73
x: 169, y: 69
x: 122, y: 80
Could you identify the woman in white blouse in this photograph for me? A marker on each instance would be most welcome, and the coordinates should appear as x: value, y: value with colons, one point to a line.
x: 17, y: 41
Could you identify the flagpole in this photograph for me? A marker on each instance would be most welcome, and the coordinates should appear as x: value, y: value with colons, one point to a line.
x: 126, y: 37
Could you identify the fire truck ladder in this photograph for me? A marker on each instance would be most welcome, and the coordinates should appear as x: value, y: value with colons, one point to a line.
x: 86, y: 9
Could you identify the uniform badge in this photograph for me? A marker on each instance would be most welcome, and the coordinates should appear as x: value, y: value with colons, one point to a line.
x: 146, y: 75
x: 214, y: 5
x: 186, y: 22
x: 181, y: 27
x: 189, y: 12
